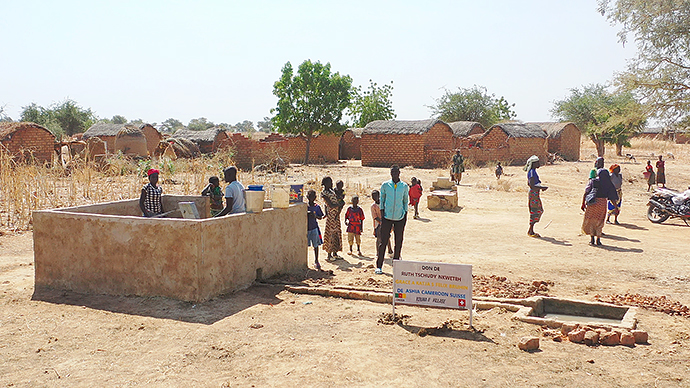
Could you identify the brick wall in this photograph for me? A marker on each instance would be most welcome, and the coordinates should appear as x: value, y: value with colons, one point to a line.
x: 30, y: 139
x: 521, y: 148
x: 350, y: 146
x: 459, y: 142
x: 438, y: 145
x: 385, y: 150
x: 109, y: 143
x: 497, y: 146
x: 323, y: 149
x: 569, y: 147
x: 250, y: 153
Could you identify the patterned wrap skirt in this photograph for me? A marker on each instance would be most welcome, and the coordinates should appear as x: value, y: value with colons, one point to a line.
x: 535, y: 207
x: 595, y: 215
x: 333, y: 236
x: 615, y: 207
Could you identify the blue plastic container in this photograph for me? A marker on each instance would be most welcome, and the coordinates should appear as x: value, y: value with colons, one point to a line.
x: 255, y: 187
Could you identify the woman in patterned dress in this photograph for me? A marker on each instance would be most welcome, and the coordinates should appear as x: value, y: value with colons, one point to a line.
x: 535, y: 188
x: 332, y: 236
x: 595, y: 212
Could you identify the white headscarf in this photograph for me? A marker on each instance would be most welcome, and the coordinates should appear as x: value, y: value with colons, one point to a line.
x: 530, y: 161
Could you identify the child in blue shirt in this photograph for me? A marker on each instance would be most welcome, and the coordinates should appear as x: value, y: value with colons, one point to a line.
x: 314, y: 213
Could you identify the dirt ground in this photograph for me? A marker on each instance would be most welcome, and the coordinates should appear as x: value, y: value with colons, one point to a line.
x: 265, y: 336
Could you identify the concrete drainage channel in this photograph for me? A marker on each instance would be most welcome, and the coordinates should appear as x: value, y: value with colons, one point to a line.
x: 538, y: 310
x: 591, y: 323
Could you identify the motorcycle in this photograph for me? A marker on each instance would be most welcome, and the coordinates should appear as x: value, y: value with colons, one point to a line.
x: 666, y: 203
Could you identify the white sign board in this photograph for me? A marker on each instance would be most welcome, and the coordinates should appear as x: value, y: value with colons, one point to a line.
x: 432, y: 284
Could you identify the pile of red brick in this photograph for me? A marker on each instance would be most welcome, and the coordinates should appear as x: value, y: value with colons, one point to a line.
x: 656, y: 303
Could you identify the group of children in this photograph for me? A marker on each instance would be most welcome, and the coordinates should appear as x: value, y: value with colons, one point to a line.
x: 354, y: 218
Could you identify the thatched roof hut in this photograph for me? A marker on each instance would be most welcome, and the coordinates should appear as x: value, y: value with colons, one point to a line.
x: 563, y: 139
x: 208, y: 140
x: 131, y: 141
x: 27, y: 140
x: 516, y: 142
x: 419, y: 143
x: 106, y: 132
x: 177, y: 148
x: 466, y: 128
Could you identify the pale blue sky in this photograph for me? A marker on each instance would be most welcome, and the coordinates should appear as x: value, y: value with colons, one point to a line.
x: 219, y: 59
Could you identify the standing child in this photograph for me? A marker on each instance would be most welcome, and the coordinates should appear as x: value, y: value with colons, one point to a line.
x: 353, y: 219
x: 376, y: 216
x: 214, y: 191
x: 415, y: 195
x: 313, y: 232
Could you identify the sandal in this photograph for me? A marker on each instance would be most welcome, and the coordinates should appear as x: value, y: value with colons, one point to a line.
x: 535, y: 235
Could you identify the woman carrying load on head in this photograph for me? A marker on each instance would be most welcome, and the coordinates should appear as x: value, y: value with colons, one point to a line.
x: 332, y: 236
x: 535, y: 188
x: 595, y: 204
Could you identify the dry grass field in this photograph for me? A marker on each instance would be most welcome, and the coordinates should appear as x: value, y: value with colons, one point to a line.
x: 265, y: 336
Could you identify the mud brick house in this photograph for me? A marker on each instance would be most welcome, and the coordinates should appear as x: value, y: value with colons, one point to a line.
x: 418, y: 143
x: 152, y: 135
x: 324, y: 148
x: 26, y: 140
x: 462, y: 130
x: 563, y: 139
x: 208, y: 141
x: 513, y: 143
x: 350, y: 144
x: 131, y: 141
x: 250, y: 152
x: 106, y: 132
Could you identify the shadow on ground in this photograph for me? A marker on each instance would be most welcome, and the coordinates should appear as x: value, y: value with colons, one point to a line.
x: 205, y: 313
x: 446, y: 331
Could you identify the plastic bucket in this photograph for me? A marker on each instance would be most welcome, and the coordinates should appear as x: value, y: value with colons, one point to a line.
x: 255, y: 187
x: 296, y: 193
x: 254, y: 200
x: 280, y: 196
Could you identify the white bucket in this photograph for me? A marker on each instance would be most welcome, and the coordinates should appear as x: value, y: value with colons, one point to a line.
x: 254, y: 201
x: 280, y: 196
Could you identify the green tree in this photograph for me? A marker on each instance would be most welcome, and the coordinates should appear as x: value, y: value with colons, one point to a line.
x: 246, y: 126
x: 311, y: 101
x: 473, y: 104
x: 603, y: 116
x: 266, y: 125
x: 200, y: 124
x: 172, y: 125
x: 371, y: 104
x: 660, y: 74
x: 66, y: 117
x: 118, y: 119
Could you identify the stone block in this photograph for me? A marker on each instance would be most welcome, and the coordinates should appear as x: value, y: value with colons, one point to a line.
x: 568, y: 327
x: 577, y: 336
x: 591, y: 338
x: 627, y: 339
x: 641, y: 336
x: 609, y: 338
x: 528, y: 343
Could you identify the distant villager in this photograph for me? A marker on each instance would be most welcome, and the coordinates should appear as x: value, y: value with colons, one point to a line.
x: 535, y: 188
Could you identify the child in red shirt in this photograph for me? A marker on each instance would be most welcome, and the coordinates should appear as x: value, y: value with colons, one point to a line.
x: 354, y: 218
x: 415, y: 195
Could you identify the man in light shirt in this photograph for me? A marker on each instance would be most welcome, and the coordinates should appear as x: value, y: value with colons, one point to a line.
x: 234, y: 193
x: 395, y: 197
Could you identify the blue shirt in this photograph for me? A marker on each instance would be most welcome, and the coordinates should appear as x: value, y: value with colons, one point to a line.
x: 394, y: 200
x: 311, y: 218
x: 533, y: 173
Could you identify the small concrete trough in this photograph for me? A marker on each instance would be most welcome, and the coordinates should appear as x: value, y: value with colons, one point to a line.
x: 555, y: 312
